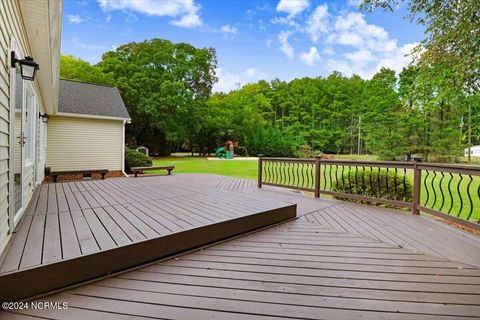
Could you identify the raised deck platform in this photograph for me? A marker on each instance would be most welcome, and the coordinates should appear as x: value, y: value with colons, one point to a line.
x: 337, y: 260
x: 76, y: 231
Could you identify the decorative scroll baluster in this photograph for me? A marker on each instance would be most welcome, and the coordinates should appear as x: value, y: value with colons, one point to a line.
x: 459, y: 195
x: 364, y: 190
x: 469, y: 197
x: 386, y: 182
x: 325, y: 177
x: 433, y: 189
x: 441, y: 191
x: 371, y: 182
x: 450, y: 193
x: 404, y: 184
x: 426, y: 188
x: 330, y: 175
x: 312, y: 176
x: 350, y: 189
x: 379, y: 191
x: 395, y: 184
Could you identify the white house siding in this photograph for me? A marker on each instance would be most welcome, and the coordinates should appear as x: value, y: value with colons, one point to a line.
x: 84, y: 143
x: 11, y: 26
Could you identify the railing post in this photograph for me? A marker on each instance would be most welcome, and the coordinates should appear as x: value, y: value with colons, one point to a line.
x: 417, y: 177
x: 260, y: 170
x: 317, y: 176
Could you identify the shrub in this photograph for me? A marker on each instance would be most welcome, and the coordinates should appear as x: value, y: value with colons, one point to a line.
x: 271, y: 142
x: 396, y: 189
x: 134, y: 158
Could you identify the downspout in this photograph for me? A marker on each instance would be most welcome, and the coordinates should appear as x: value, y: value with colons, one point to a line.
x: 123, y: 150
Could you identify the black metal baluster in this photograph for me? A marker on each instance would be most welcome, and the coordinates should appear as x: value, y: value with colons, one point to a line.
x: 343, y: 176
x: 350, y: 190
x: 356, y: 182
x: 469, y: 197
x: 426, y: 189
x: 371, y: 182
x: 441, y: 191
x: 379, y: 191
x: 336, y: 174
x: 478, y: 193
x: 325, y: 177
x: 386, y: 182
x: 312, y: 177
x: 303, y: 175
x: 432, y: 183
x: 450, y: 193
x: 404, y: 184
x: 364, y: 190
x: 395, y: 184
x: 330, y: 175
x: 459, y: 195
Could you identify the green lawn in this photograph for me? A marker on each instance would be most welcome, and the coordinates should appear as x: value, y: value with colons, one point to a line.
x: 242, y: 169
x: 248, y: 169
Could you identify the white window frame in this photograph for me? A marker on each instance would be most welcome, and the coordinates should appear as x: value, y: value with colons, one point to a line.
x: 29, y: 125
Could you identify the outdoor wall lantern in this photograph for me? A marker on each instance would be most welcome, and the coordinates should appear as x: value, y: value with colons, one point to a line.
x: 44, y: 117
x: 28, y: 67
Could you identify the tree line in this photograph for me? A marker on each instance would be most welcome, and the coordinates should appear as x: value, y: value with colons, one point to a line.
x: 427, y: 109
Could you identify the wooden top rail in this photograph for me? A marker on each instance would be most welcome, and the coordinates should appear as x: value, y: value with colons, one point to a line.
x: 453, y: 168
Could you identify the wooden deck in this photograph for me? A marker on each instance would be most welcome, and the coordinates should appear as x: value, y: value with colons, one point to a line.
x: 337, y: 260
x: 119, y: 223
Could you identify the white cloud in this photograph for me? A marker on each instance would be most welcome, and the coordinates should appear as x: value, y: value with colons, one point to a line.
x: 311, y: 57
x: 186, y: 11
x: 399, y: 59
x: 108, y: 18
x: 317, y: 23
x: 352, y: 30
x: 292, y: 7
x: 285, y: 46
x: 75, y: 18
x: 284, y: 21
x: 190, y: 20
x: 251, y: 72
x: 228, y: 29
x: 228, y: 81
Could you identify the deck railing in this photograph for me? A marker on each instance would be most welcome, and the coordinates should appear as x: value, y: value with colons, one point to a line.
x: 448, y: 191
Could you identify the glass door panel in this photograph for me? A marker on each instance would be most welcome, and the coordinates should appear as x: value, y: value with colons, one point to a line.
x: 18, y: 147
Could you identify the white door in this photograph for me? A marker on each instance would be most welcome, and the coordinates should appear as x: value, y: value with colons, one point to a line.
x: 17, y: 127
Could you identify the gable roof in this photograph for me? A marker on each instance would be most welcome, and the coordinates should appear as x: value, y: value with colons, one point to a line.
x: 91, y: 100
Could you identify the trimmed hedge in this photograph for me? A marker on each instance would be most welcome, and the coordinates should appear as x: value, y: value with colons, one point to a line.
x: 134, y: 158
x: 365, y: 188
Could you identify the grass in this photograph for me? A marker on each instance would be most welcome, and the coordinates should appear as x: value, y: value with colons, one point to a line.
x: 242, y: 169
x: 248, y: 169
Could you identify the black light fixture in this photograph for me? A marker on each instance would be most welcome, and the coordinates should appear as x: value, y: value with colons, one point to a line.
x: 44, y: 117
x: 28, y: 67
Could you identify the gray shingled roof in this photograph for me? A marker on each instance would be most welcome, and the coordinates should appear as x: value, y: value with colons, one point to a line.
x: 91, y: 99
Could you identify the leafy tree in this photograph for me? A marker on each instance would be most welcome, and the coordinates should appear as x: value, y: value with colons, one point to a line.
x: 81, y: 70
x: 160, y: 83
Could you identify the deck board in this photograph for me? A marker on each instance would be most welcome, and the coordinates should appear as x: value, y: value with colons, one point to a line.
x: 224, y: 281
x: 68, y: 224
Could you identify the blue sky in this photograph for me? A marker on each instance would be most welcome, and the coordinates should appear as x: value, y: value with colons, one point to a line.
x: 262, y: 39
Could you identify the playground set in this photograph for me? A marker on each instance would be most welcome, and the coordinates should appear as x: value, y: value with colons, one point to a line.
x: 226, y: 151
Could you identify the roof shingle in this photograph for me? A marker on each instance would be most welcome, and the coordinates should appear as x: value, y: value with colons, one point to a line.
x: 91, y: 99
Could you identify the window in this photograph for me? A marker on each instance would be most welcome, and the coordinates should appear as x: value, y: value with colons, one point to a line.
x: 29, y: 131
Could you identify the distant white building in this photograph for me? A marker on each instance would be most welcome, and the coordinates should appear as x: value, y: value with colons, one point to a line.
x: 474, y: 151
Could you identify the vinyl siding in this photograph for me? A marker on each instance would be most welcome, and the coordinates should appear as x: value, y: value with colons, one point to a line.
x: 11, y: 24
x: 82, y: 143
